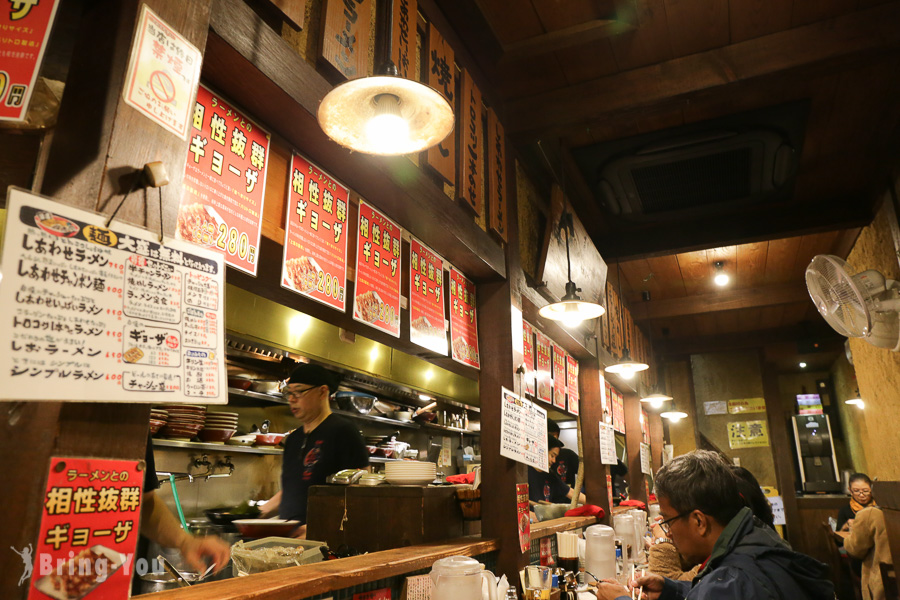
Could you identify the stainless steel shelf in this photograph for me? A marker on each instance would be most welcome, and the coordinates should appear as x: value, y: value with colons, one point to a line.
x: 373, y: 419
x: 223, y: 448
x: 448, y: 428
x: 255, y: 396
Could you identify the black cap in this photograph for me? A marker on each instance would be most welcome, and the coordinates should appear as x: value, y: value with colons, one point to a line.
x: 553, y: 442
x: 552, y: 427
x: 316, y: 376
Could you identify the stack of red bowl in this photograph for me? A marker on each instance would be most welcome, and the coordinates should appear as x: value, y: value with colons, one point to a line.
x: 219, y: 427
x: 185, y: 421
x: 158, y: 418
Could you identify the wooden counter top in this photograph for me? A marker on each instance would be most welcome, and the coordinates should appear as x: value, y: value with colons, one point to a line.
x: 548, y: 528
x: 318, y: 578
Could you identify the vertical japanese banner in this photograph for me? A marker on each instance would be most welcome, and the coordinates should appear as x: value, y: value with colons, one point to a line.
x: 572, y: 383
x: 609, y: 490
x: 496, y: 167
x: 619, y: 414
x: 344, y: 46
x: 471, y: 161
x: 426, y: 298
x: 606, y: 400
x: 224, y: 182
x: 523, y: 517
x: 463, y: 320
x: 645, y: 427
x: 544, y: 366
x: 403, y: 46
x: 528, y: 351
x: 315, y: 237
x: 163, y: 73
x: 25, y: 26
x: 442, y: 77
x: 89, y: 529
x: 376, y: 300
x: 559, y: 377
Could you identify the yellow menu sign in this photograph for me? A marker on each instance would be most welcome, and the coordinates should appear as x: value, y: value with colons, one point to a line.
x: 748, y: 434
x: 747, y: 405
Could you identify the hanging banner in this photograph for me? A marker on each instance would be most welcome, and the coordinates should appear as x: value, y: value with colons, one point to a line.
x: 559, y: 377
x: 224, y: 182
x: 344, y: 46
x: 747, y: 405
x: 314, y: 263
x: 645, y: 426
x: 89, y: 529
x: 572, y: 383
x: 26, y: 27
x: 469, y: 188
x: 748, y: 434
x: 544, y: 362
x: 618, y: 411
x: 646, y: 467
x: 523, y: 431
x: 106, y: 314
x: 163, y: 73
x: 606, y: 400
x: 376, y: 300
x: 426, y: 298
x: 403, y: 32
x: 607, y: 444
x: 523, y: 517
x: 463, y: 320
x: 609, y: 490
x: 442, y: 77
x: 528, y: 339
x: 496, y: 168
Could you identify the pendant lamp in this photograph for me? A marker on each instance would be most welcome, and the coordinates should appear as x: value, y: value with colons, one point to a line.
x: 625, y: 367
x: 674, y: 415
x: 385, y: 114
x: 571, y: 310
x: 656, y: 399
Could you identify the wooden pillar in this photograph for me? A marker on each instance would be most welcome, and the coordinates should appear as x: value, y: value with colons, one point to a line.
x: 595, y: 471
x: 633, y: 438
x: 888, y: 495
x: 656, y: 440
x: 98, y: 142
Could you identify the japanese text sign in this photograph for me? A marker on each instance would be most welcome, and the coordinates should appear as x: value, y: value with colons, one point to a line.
x: 747, y: 405
x: 315, y: 235
x: 523, y: 431
x: 559, y: 377
x: 442, y: 77
x: 224, y: 182
x: 496, y: 168
x: 471, y: 157
x: 98, y: 314
x: 544, y: 362
x: 426, y: 298
x: 345, y: 40
x: 618, y: 406
x: 607, y: 444
x: 646, y: 466
x: 572, y: 383
x: 403, y: 31
x: 376, y: 300
x: 163, y: 73
x: 26, y: 26
x: 523, y: 518
x: 528, y: 352
x: 463, y: 320
x: 748, y: 434
x: 89, y: 529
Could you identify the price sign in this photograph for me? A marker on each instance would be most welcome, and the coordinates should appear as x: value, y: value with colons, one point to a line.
x: 376, y: 301
x: 426, y: 298
x: 224, y: 182
x: 544, y: 360
x: 463, y: 320
x: 26, y: 27
x: 572, y: 383
x: 315, y: 235
x: 528, y: 351
x: 523, y: 431
x: 559, y: 377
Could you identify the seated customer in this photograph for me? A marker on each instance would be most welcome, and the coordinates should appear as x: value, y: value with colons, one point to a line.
x: 705, y: 517
x: 548, y: 487
x: 860, y: 497
x: 868, y: 541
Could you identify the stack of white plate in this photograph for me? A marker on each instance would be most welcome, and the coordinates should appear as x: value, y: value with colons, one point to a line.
x: 410, y: 472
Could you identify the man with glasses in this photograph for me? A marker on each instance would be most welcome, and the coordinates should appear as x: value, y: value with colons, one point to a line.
x: 324, y: 444
x: 706, y: 518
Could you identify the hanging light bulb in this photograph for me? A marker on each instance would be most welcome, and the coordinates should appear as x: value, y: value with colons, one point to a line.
x: 721, y: 277
x: 656, y: 399
x: 674, y: 415
x: 625, y: 367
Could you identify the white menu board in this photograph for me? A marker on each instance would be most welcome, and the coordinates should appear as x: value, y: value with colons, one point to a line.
x: 97, y: 314
x: 646, y: 469
x: 523, y: 431
x: 607, y: 444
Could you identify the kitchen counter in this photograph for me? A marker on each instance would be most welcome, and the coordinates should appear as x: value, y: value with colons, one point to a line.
x: 319, y: 578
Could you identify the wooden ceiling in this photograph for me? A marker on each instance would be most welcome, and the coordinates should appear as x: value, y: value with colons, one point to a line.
x: 570, y: 74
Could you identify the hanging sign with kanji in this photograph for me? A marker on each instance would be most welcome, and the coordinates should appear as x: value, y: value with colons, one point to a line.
x: 24, y: 29
x: 403, y: 46
x: 163, y: 73
x: 618, y: 407
x: 559, y: 377
x: 315, y: 235
x: 376, y: 300
x: 748, y: 434
x: 471, y: 156
x: 463, y: 320
x: 496, y: 169
x: 345, y: 38
x: 528, y: 335
x: 572, y: 383
x: 544, y: 366
x: 89, y: 529
x: 442, y: 77
x: 426, y: 298
x: 224, y: 182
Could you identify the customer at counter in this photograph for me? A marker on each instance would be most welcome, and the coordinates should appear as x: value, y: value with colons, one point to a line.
x: 868, y: 542
x: 548, y: 487
x: 567, y: 460
x: 860, y: 497
x: 324, y: 444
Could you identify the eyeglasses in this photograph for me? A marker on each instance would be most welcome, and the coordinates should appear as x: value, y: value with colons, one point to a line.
x: 666, y: 525
x: 296, y: 394
x: 860, y: 492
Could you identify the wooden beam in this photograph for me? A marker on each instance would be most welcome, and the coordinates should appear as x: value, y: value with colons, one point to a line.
x: 755, y: 339
x: 771, y: 295
x: 562, y: 39
x: 869, y: 31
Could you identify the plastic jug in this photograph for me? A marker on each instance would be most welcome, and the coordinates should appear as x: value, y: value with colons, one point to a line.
x: 599, y: 553
x: 640, y: 529
x: 624, y: 526
x: 459, y: 578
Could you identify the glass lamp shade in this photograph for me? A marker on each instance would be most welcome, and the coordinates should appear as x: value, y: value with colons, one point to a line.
x: 674, y: 415
x: 656, y: 399
x: 385, y: 115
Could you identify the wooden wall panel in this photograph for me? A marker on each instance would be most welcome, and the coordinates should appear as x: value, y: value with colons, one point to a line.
x: 697, y: 25
x: 754, y: 18
x: 780, y: 259
x: 751, y: 264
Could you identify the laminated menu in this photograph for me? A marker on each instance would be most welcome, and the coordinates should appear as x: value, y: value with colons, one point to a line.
x: 106, y: 314
x: 523, y: 431
x: 426, y: 298
x: 376, y: 300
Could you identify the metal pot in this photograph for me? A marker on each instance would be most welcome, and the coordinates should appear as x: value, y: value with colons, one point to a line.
x: 158, y: 582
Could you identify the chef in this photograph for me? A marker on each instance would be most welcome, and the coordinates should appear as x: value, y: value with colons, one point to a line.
x: 324, y: 443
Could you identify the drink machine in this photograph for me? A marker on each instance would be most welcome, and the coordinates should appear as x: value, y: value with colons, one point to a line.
x: 815, y: 453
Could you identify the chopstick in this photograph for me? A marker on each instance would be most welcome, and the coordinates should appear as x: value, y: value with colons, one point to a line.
x: 632, y: 579
x: 641, y: 591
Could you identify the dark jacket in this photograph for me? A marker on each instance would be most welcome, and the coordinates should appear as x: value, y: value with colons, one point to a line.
x: 750, y: 562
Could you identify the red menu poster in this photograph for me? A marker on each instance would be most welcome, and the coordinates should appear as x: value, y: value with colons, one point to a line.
x: 645, y: 427
x: 528, y: 335
x: 26, y: 26
x: 376, y: 301
x: 606, y: 402
x: 89, y: 529
x: 559, y: 377
x: 523, y: 516
x: 463, y: 320
x: 572, y: 383
x: 618, y: 411
x: 426, y: 298
x: 315, y: 236
x: 224, y: 182
x: 544, y: 360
